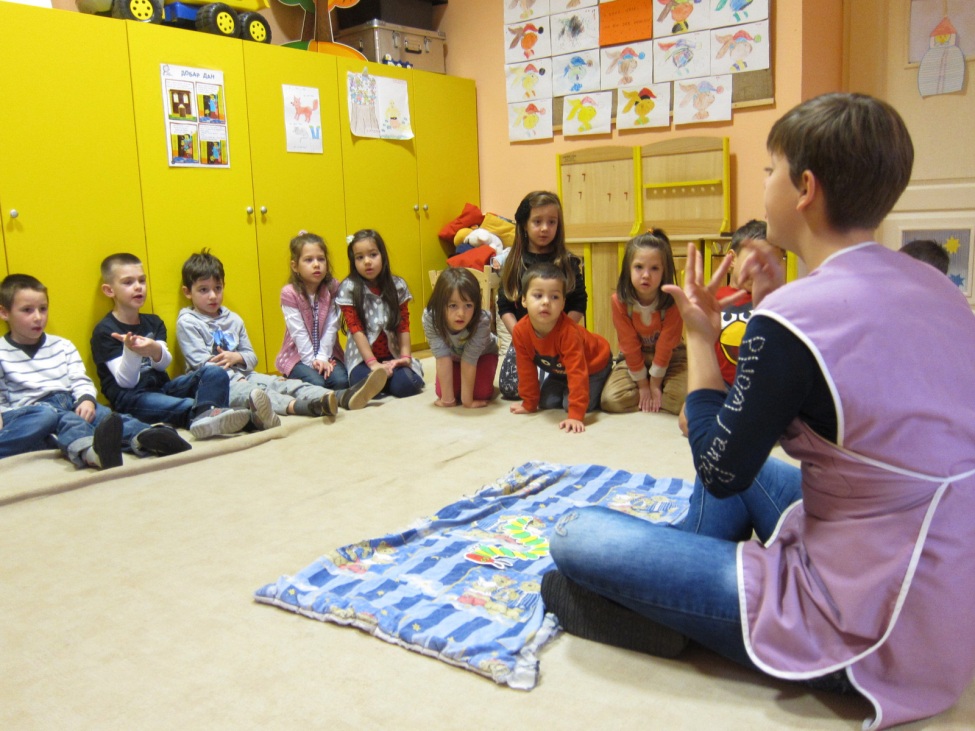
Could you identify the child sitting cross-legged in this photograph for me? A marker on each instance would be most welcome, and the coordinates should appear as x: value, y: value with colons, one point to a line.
x: 576, y: 361
x: 45, y: 372
x: 209, y: 333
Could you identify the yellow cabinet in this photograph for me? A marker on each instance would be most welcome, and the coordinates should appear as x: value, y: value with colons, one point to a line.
x: 69, y: 184
x: 189, y: 208
x: 408, y: 189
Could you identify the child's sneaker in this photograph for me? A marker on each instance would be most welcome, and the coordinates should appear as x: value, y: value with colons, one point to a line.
x: 357, y: 396
x: 107, y: 443
x: 262, y: 412
x: 215, y: 421
x: 327, y: 405
x: 159, y: 440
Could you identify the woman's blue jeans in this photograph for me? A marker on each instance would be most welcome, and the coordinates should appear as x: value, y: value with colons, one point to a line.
x: 685, y: 576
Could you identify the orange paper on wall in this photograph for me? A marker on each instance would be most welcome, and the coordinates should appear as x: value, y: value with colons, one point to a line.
x: 625, y: 21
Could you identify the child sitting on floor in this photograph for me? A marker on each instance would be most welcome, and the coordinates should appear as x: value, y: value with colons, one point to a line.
x: 576, y: 361
x: 41, y: 370
x: 209, y: 333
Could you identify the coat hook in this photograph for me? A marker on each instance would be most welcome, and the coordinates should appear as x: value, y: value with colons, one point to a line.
x: 583, y: 177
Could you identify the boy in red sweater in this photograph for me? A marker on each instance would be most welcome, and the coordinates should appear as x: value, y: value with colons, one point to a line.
x: 576, y: 361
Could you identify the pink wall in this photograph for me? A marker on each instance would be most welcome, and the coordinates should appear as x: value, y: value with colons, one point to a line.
x: 475, y: 28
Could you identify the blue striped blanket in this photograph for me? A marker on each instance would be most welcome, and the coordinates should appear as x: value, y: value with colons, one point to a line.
x: 463, y: 585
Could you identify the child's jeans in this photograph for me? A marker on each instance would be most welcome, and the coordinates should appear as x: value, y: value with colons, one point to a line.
x: 27, y: 429
x: 75, y: 435
x: 281, y: 391
x: 180, y: 400
x: 337, y: 379
x: 553, y: 392
x: 403, y: 383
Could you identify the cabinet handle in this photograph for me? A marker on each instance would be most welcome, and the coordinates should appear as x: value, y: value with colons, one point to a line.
x: 14, y: 213
x: 263, y: 210
x: 416, y: 207
x: 250, y: 210
x: 426, y: 207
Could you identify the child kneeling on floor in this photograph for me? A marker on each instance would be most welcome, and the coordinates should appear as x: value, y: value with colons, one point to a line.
x: 41, y: 370
x: 576, y: 361
x: 209, y: 333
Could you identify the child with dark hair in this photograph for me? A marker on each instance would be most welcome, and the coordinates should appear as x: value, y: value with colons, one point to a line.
x: 460, y: 338
x: 375, y: 306
x: 652, y: 371
x: 857, y: 576
x: 539, y: 237
x: 930, y: 252
x: 576, y: 362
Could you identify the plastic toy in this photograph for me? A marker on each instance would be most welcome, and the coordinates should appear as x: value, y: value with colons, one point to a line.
x: 234, y: 19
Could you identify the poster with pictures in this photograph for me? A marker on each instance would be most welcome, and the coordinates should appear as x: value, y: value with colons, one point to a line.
x: 587, y: 114
x: 531, y: 80
x: 626, y: 65
x: 681, y: 57
x: 575, y: 31
x: 195, y: 110
x: 527, y: 41
x: 740, y: 48
x: 641, y: 107
x: 379, y: 106
x: 302, y: 119
x: 702, y: 100
x: 530, y: 120
x: 575, y: 72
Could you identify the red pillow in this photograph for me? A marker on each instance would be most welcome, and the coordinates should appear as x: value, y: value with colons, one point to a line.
x: 476, y: 258
x: 470, y: 217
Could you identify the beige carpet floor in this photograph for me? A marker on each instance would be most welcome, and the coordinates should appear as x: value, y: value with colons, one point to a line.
x: 126, y: 597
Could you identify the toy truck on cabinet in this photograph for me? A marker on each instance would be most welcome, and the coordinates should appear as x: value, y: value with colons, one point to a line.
x: 234, y: 18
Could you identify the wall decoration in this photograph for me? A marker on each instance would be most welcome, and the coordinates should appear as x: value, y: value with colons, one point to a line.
x: 521, y: 10
x: 681, y: 57
x: 740, y: 48
x: 735, y: 12
x: 625, y: 21
x: 643, y: 107
x: 953, y: 230
x: 681, y: 16
x: 302, y: 119
x: 575, y: 72
x: 958, y: 243
x: 526, y: 41
x: 942, y: 69
x: 587, y: 114
x: 532, y: 80
x: 379, y: 106
x: 560, y: 6
x: 628, y: 65
x: 530, y: 120
x: 574, y: 31
x: 196, y: 117
x: 702, y: 100
x: 926, y: 14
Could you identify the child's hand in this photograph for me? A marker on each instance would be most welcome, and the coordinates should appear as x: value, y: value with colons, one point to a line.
x: 650, y: 399
x: 227, y: 359
x: 324, y: 367
x: 699, y: 308
x: 518, y: 409
x: 764, y: 269
x: 476, y: 405
x: 445, y: 404
x: 86, y: 410
x: 389, y: 366
x: 572, y: 426
x: 139, y: 344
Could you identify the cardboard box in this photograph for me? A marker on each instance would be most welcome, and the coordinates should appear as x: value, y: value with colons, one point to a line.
x: 377, y: 38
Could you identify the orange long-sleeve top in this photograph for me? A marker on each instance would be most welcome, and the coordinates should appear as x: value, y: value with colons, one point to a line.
x: 569, y: 350
x: 662, y: 333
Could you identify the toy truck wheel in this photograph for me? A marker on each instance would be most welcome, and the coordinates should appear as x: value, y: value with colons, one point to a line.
x: 144, y: 11
x: 253, y: 27
x: 218, y: 18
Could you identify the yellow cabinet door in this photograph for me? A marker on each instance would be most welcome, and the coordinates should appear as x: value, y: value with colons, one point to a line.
x: 189, y: 208
x: 381, y: 188
x: 69, y: 184
x: 445, y: 119
x: 299, y: 191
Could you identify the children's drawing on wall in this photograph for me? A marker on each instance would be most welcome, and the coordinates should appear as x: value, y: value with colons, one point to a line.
x: 363, y: 96
x: 926, y: 16
x: 681, y: 57
x: 942, y: 70
x: 740, y: 48
x: 642, y: 107
x: 628, y: 65
x: 575, y: 73
x: 526, y: 41
x: 681, y: 16
x: 958, y: 243
x: 560, y: 6
x: 576, y: 30
x: 702, y: 100
x: 587, y: 114
x: 519, y: 10
x: 530, y: 120
x: 393, y: 103
x: 302, y: 119
x: 734, y: 12
x: 532, y: 80
x: 195, y: 109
